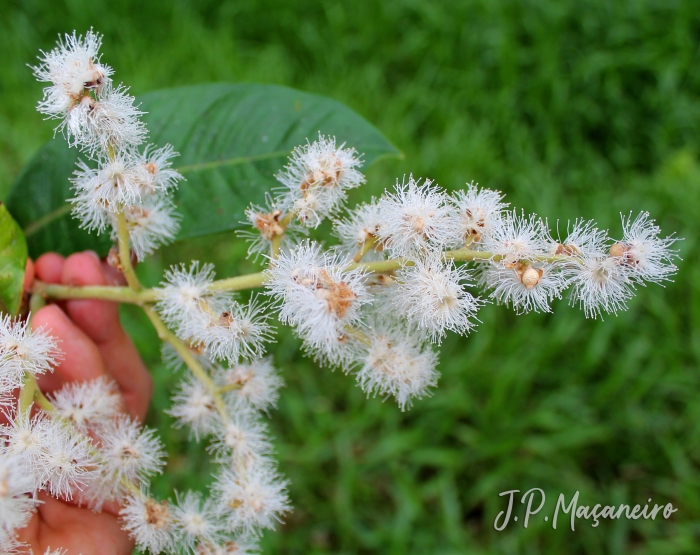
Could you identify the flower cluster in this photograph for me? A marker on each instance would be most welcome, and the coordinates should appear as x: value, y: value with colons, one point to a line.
x: 122, y: 178
x: 394, y: 284
x: 86, y: 448
x: 405, y: 270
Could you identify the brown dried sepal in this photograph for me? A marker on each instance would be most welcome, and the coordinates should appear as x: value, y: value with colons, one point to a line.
x: 337, y: 294
x: 268, y: 224
x: 157, y: 514
x: 567, y: 250
x: 323, y: 177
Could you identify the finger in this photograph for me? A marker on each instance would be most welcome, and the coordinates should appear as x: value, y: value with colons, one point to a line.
x: 100, y: 322
x: 28, y: 275
x: 48, y: 267
x: 81, y: 359
x: 113, y: 276
x: 77, y: 529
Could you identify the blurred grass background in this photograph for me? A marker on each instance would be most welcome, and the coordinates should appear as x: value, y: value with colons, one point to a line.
x: 574, y: 109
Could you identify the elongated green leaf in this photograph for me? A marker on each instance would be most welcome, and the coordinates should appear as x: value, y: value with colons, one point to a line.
x: 232, y: 139
x: 13, y: 260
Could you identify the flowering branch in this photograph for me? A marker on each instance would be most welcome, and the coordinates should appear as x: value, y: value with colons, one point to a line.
x: 375, y: 304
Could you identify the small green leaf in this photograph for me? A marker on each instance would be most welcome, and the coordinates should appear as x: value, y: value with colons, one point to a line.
x: 232, y: 139
x: 13, y: 261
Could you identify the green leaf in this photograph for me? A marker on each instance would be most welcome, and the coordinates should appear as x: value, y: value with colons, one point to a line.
x: 13, y: 260
x: 232, y: 139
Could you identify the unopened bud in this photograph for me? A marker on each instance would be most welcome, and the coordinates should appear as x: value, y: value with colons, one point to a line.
x: 618, y: 249
x: 530, y: 277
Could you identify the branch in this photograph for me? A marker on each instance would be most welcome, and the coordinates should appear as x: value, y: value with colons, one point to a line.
x: 125, y: 253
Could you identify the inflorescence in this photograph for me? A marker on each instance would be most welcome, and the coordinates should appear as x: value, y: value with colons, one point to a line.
x: 374, y: 305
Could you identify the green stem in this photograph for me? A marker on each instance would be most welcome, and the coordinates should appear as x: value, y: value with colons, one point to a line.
x: 238, y: 283
x: 43, y: 402
x: 188, y: 358
x: 251, y: 281
x: 229, y: 387
x: 367, y: 246
x: 27, y: 393
x: 276, y: 243
x: 103, y: 292
x: 125, y: 252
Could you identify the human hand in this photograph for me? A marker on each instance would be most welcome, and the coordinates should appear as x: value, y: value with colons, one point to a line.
x: 93, y: 344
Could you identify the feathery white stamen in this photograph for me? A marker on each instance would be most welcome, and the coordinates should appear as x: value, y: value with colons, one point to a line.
x: 517, y: 237
x: 479, y: 213
x: 316, y: 295
x: 242, y: 440
x: 74, y: 70
x: 359, y: 229
x: 149, y: 523
x: 416, y: 218
x: 196, y: 521
x: 642, y: 253
x: 88, y: 404
x: 397, y: 364
x: 257, y: 384
x: 317, y: 179
x: 24, y: 350
x: 194, y: 406
x: 525, y: 287
x: 431, y: 296
x: 256, y: 500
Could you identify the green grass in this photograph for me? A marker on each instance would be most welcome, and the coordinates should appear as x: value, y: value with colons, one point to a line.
x: 574, y: 109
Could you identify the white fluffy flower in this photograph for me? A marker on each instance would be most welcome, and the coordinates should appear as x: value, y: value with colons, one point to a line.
x: 74, y: 70
x: 343, y: 352
x: 68, y: 461
x: 416, y: 218
x: 315, y: 294
x: 231, y: 330
x: 88, y: 404
x: 397, y: 363
x: 149, y: 523
x: 360, y: 229
x: 252, y: 501
x: 583, y: 239
x: 600, y: 285
x: 117, y: 180
x: 431, y: 296
x: 17, y: 503
x: 197, y: 523
x: 642, y: 253
x: 256, y: 384
x: 109, y: 121
x: 479, y: 212
x: 129, y: 452
x: 516, y: 238
x: 24, y: 437
x: 267, y: 225
x: 525, y: 287
x: 151, y: 224
x: 194, y: 405
x: 317, y: 178
x: 23, y: 350
x: 183, y: 294
x: 158, y: 175
x: 242, y: 440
